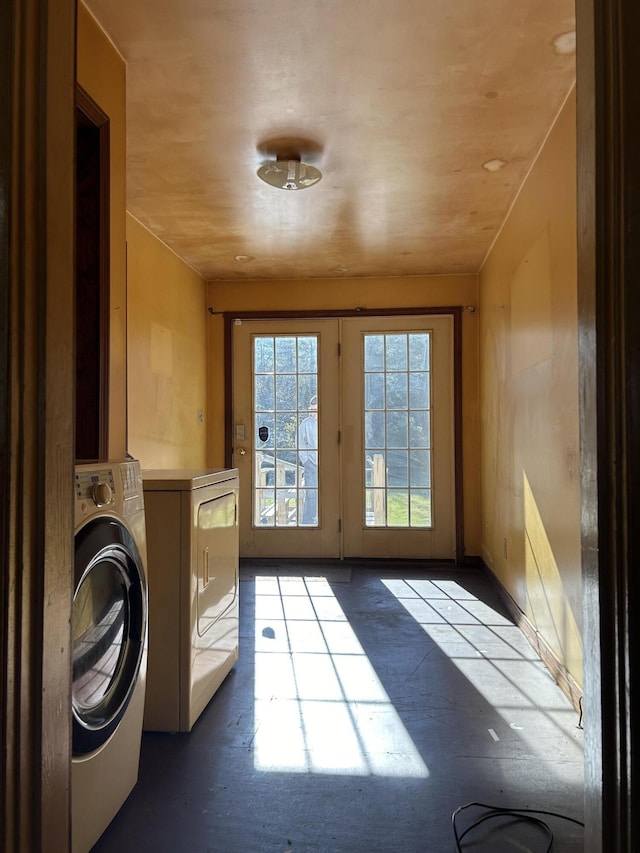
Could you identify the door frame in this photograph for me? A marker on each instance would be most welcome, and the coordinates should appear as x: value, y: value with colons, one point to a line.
x: 37, y: 262
x: 92, y: 294
x: 608, y: 126
x: 229, y: 318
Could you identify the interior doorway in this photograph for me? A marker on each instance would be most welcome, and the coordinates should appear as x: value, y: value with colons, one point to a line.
x: 92, y: 181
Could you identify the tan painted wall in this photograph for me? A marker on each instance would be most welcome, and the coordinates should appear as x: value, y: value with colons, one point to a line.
x: 529, y: 400
x: 101, y: 72
x: 328, y: 294
x: 167, y: 341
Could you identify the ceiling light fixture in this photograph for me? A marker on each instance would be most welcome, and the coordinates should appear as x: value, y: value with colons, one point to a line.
x: 289, y: 174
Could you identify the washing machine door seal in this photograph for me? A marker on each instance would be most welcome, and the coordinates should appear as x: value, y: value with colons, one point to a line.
x: 109, y: 629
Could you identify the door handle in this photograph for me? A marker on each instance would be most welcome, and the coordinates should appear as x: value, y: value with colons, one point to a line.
x: 242, y: 451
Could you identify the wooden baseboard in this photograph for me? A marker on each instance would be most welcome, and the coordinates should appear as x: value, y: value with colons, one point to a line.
x: 560, y: 674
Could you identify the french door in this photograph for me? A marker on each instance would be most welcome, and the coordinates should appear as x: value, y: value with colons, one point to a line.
x: 344, y: 437
x: 279, y: 367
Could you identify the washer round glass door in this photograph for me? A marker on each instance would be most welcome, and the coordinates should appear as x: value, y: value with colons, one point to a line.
x: 108, y: 630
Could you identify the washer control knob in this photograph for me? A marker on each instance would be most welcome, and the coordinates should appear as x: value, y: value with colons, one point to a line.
x: 101, y: 494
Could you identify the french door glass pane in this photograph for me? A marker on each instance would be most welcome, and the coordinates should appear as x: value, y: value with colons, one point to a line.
x: 285, y: 404
x: 397, y: 430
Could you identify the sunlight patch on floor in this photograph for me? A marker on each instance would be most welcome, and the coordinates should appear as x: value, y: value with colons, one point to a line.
x: 319, y: 705
x: 495, y: 657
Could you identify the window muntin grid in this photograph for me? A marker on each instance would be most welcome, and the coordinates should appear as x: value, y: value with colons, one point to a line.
x: 285, y: 381
x: 397, y: 430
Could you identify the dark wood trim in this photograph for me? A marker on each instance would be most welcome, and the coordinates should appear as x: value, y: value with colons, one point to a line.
x: 455, y: 311
x: 561, y: 675
x: 37, y: 78
x: 608, y: 32
x: 90, y: 108
x: 472, y: 561
x: 337, y: 312
x: 457, y: 434
x: 99, y: 120
x: 7, y: 704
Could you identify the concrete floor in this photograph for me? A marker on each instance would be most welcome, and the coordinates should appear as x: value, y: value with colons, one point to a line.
x: 367, y: 705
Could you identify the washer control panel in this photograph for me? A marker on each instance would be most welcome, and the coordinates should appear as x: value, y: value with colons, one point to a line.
x: 111, y: 487
x: 95, y: 486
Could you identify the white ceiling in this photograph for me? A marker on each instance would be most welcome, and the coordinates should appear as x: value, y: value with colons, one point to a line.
x: 406, y: 106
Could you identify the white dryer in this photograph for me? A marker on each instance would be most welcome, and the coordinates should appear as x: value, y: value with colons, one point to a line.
x: 192, y: 539
x: 109, y: 644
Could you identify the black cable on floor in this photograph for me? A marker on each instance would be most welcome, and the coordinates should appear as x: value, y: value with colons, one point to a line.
x: 526, y: 815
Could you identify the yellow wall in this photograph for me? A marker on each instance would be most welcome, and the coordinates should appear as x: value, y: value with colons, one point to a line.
x: 529, y: 400
x: 101, y: 72
x: 342, y: 294
x: 167, y: 339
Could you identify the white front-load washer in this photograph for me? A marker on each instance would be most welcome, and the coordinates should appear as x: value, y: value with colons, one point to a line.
x: 109, y: 634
